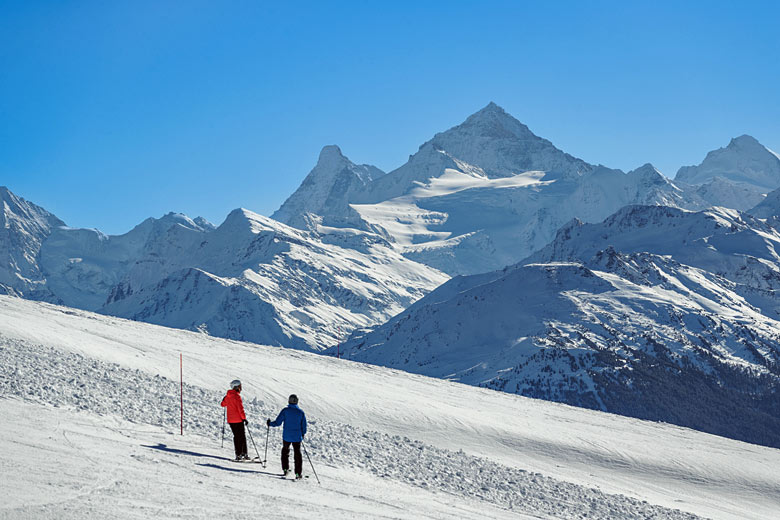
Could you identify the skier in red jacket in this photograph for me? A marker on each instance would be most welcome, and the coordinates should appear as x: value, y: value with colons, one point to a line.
x: 236, y: 418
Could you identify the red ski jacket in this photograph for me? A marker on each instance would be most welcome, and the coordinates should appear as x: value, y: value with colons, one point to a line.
x: 235, y: 407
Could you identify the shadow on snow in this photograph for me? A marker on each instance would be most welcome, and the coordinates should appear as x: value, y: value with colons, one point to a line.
x: 167, y: 449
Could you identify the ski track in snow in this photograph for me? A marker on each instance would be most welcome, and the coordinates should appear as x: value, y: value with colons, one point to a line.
x: 53, y: 377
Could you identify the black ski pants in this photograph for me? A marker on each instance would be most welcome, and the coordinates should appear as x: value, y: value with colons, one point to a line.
x: 297, y: 456
x: 239, y: 438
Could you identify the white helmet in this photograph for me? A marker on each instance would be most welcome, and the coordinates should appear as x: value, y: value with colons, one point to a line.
x: 235, y: 384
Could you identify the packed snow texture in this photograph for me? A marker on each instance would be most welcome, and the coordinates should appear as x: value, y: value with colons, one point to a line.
x: 92, y: 401
x: 676, y: 319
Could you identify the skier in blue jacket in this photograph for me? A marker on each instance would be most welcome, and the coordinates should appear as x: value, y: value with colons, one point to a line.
x: 294, y: 421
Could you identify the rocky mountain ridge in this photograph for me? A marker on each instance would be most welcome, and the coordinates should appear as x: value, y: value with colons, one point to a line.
x: 656, y: 313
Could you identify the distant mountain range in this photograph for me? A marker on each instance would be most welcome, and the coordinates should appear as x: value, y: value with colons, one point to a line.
x: 627, y: 292
x: 251, y: 278
x: 489, y: 192
x: 656, y: 313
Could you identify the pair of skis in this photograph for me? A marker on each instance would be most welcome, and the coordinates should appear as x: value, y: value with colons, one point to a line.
x: 256, y: 460
x: 284, y: 477
x: 253, y: 460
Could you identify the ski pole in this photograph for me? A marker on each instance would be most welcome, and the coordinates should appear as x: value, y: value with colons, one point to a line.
x: 312, y: 465
x: 253, y: 441
x: 267, y: 432
x: 223, y: 428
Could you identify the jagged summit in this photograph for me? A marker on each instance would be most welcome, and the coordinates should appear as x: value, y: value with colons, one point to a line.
x: 327, y: 188
x: 744, y: 161
x: 502, y: 146
x: 490, y: 142
x: 646, y: 170
x: 25, y: 213
x: 744, y: 140
x: 330, y: 153
x: 23, y: 228
x: 493, y: 121
x: 204, y: 223
x: 243, y: 220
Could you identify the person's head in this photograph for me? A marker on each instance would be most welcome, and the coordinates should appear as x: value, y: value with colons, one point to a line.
x: 293, y: 399
x: 235, y: 385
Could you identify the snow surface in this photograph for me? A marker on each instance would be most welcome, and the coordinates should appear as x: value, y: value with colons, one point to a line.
x: 91, y: 407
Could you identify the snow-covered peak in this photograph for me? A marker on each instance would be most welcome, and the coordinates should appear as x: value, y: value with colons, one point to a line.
x: 744, y: 160
x: 181, y: 219
x: 647, y: 170
x: 242, y: 220
x: 25, y: 214
x: 23, y: 228
x: 653, y: 187
x: 503, y: 146
x: 204, y: 224
x: 490, y: 142
x: 331, y: 156
x: 82, y: 265
x: 327, y: 188
x: 492, y: 121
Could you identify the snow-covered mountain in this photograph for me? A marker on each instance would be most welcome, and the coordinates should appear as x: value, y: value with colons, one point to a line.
x: 84, y: 266
x: 327, y: 189
x: 489, y: 144
x: 23, y: 228
x: 252, y: 278
x: 769, y: 206
x: 88, y: 390
x: 655, y: 313
x: 737, y: 176
x: 485, y: 194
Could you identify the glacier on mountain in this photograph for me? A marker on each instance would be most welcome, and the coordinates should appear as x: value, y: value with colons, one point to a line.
x: 483, y: 195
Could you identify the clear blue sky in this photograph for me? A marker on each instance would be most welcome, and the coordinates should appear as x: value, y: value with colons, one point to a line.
x: 111, y: 112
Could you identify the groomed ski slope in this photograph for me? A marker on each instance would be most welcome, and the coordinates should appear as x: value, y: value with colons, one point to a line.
x: 90, y: 427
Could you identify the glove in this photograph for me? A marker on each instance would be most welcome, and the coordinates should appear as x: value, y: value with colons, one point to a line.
x: 268, y: 422
x: 246, y: 422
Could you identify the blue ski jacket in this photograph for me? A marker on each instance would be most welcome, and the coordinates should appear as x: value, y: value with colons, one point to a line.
x: 294, y: 423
